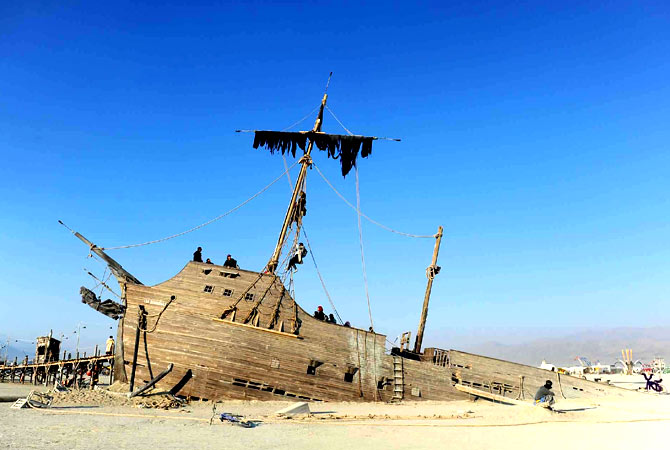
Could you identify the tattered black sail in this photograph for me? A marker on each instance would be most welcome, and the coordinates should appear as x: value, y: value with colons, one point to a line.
x: 342, y: 147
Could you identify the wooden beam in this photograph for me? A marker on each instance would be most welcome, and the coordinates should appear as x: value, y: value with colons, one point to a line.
x: 491, y: 396
x: 280, y: 333
x: 426, y: 298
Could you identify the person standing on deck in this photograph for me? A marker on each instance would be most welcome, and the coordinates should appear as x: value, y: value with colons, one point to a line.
x: 197, y: 255
x: 545, y: 396
x: 109, y: 346
x: 230, y: 262
x: 318, y: 314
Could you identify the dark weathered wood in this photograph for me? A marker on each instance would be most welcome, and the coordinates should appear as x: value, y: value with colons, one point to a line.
x: 181, y: 383
x: 230, y: 359
x: 481, y: 372
x: 233, y: 360
x: 140, y: 323
x: 153, y: 382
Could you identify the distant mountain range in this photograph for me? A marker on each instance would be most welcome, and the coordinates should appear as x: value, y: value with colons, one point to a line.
x: 597, y: 345
x: 602, y: 345
x: 19, y: 350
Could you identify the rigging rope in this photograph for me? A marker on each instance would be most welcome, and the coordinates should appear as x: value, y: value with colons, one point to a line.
x: 360, y: 240
x: 421, y: 236
x: 338, y: 121
x: 208, y: 222
x: 323, y: 284
x: 311, y: 254
x: 304, y: 118
x: 360, y: 230
x: 158, y: 317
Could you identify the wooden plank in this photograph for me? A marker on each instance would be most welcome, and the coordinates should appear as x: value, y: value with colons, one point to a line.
x: 491, y: 396
x: 279, y: 333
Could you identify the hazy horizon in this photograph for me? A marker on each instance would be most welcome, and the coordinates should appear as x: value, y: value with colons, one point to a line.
x: 529, y: 345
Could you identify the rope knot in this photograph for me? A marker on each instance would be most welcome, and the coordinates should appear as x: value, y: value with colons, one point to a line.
x: 306, y: 159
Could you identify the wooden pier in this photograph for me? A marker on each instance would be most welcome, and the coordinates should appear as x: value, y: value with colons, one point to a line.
x: 67, y: 372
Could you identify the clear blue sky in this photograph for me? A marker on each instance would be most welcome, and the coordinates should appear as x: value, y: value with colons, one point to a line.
x: 536, y: 135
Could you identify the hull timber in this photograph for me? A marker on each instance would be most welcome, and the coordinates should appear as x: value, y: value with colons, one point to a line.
x: 231, y: 359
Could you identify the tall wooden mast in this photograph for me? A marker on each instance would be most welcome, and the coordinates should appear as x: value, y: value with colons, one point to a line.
x: 306, y: 161
x: 432, y: 270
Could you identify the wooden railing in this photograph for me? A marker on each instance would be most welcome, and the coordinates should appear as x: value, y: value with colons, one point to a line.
x: 437, y: 356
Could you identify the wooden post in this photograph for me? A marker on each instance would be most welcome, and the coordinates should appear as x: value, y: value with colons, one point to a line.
x: 431, y: 275
x: 111, y: 371
x: 306, y: 162
x: 140, y: 317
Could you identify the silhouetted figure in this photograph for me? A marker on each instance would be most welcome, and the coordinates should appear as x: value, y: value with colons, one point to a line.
x: 197, y: 255
x: 331, y: 318
x: 230, y: 262
x: 209, y: 261
x: 300, y: 208
x: 319, y: 313
x: 347, y: 324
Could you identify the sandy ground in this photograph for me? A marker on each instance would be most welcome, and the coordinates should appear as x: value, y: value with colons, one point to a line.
x: 613, y: 423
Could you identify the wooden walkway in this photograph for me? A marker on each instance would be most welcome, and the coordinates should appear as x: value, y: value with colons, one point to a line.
x: 68, y: 371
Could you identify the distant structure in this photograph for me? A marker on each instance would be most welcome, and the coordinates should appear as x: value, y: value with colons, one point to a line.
x: 627, y: 361
x: 47, y: 349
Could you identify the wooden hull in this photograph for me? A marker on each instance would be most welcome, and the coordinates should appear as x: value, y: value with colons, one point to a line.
x: 231, y: 359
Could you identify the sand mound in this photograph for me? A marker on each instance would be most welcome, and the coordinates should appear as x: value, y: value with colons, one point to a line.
x: 115, y: 395
x: 87, y: 397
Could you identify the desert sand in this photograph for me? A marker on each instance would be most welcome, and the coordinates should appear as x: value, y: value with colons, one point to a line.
x: 107, y: 421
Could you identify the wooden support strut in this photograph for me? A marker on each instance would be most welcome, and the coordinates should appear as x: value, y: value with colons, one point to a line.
x: 233, y: 307
x: 275, y: 312
x: 426, y: 298
x: 141, y: 324
x: 153, y: 382
x: 253, y: 313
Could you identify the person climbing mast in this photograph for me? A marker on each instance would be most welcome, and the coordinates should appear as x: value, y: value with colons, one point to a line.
x: 300, y: 253
x: 300, y: 209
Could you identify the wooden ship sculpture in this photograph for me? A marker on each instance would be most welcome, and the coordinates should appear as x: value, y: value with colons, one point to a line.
x: 220, y: 332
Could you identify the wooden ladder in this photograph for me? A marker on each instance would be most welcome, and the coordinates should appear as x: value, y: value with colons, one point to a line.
x: 398, y: 379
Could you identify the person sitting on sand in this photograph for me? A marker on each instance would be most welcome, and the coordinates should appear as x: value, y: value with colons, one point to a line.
x: 197, y: 255
x: 545, y: 395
